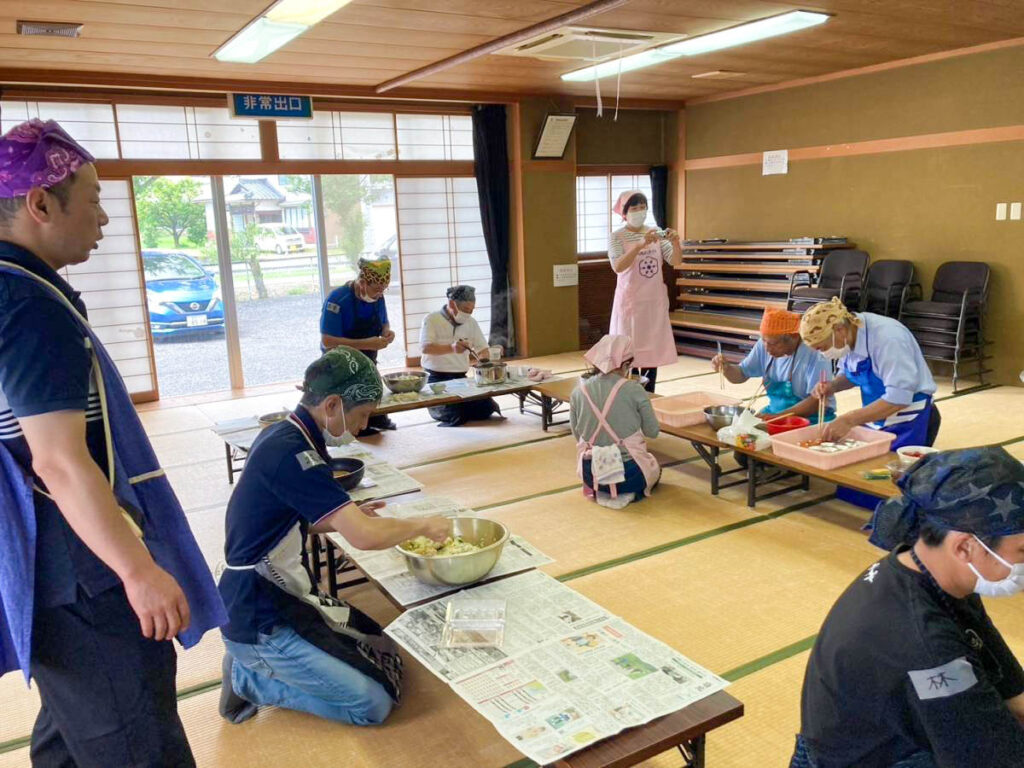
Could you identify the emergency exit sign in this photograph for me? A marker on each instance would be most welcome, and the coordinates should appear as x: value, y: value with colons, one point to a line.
x: 268, y: 106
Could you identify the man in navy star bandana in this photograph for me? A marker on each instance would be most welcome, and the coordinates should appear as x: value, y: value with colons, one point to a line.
x: 908, y: 671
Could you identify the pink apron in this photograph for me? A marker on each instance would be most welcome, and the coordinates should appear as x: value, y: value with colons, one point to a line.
x: 640, y: 309
x: 635, y: 444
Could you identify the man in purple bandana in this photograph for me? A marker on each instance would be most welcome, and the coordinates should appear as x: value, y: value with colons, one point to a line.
x: 90, y: 612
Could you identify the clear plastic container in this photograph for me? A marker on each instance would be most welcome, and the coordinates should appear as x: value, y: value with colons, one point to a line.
x: 474, y: 623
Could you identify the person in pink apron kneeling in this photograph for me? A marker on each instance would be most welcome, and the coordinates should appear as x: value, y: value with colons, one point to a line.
x: 640, y: 309
x: 610, y: 415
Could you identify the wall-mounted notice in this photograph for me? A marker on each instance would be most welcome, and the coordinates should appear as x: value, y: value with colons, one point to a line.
x: 775, y: 162
x: 566, y: 275
x: 554, y: 137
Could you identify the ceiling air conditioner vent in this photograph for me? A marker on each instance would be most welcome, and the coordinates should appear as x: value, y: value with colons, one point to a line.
x: 587, y: 44
x: 49, y: 28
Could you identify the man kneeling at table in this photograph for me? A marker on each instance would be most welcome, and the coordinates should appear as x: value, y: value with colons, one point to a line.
x: 288, y: 644
x: 790, y: 368
x: 908, y: 671
x: 610, y: 415
x: 446, y: 339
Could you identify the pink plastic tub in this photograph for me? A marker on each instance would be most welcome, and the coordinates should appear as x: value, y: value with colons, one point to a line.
x: 787, y: 446
x: 687, y: 410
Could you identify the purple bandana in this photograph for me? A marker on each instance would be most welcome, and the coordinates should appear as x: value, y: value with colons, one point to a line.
x: 38, y: 154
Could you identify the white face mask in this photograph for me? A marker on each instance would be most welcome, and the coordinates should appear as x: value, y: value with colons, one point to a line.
x: 1006, y: 587
x: 836, y: 353
x: 462, y: 317
x: 636, y: 218
x: 346, y: 438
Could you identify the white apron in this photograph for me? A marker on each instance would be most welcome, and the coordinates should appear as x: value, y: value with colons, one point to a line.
x: 640, y: 309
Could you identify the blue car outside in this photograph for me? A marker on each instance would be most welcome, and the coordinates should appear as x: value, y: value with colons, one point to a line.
x: 182, y: 297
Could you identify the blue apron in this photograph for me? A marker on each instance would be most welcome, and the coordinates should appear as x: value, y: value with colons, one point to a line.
x: 781, y: 396
x: 910, y: 425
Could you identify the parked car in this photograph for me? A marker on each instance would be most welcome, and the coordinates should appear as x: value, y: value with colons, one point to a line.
x: 280, y: 238
x: 183, y: 297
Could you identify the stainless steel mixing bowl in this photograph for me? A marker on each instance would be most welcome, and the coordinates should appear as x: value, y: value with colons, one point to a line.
x: 720, y: 416
x: 457, y: 570
x: 404, y: 381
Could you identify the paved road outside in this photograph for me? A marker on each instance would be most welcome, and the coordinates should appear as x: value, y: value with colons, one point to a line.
x: 279, y: 336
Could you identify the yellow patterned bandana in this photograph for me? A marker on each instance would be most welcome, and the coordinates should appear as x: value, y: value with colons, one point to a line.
x: 375, y: 272
x: 820, y: 320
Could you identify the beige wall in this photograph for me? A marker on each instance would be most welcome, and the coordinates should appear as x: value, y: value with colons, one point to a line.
x: 927, y: 205
x: 549, y: 205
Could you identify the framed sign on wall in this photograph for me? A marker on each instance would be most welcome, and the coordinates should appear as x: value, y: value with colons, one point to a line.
x: 554, y: 136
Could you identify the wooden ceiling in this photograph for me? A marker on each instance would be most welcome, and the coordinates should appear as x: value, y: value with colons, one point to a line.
x: 370, y: 41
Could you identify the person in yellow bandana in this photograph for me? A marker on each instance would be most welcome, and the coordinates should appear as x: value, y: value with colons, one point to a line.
x: 355, y: 315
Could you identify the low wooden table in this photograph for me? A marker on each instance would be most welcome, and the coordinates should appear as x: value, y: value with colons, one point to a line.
x: 709, y: 448
x: 685, y: 729
x: 553, y: 398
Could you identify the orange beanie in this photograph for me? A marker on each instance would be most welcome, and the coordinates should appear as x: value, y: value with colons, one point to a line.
x: 778, y: 322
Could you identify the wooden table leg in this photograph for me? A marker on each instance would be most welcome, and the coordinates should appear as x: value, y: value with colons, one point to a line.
x: 545, y: 412
x: 693, y: 752
x: 332, y: 569
x: 231, y: 467
x: 751, y: 481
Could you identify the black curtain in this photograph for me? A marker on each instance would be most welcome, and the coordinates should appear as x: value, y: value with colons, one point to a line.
x: 659, y: 194
x: 490, y: 150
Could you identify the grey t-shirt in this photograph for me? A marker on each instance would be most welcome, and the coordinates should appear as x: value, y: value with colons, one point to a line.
x: 630, y: 413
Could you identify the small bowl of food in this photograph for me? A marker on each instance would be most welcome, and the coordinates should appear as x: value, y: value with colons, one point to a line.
x: 786, y: 425
x: 404, y: 381
x: 721, y: 416
x: 272, y: 418
x: 348, y: 472
x: 438, y: 387
x: 467, y: 555
x: 909, y: 454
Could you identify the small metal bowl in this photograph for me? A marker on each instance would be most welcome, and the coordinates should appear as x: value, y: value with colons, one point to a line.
x: 348, y: 472
x: 404, y: 381
x: 272, y: 418
x: 458, y: 570
x: 721, y: 416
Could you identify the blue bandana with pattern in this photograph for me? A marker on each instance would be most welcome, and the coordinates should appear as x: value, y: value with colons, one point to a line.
x: 973, y: 490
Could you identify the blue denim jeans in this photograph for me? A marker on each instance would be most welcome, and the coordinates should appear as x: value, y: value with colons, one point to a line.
x: 284, y: 670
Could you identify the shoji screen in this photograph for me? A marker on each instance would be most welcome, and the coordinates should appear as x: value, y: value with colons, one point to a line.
x: 112, y: 288
x: 442, y: 245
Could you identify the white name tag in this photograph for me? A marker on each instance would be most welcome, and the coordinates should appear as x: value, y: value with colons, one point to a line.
x: 332, y: 307
x: 948, y: 680
x: 309, y: 459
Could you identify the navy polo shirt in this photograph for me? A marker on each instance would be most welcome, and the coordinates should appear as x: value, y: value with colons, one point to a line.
x: 46, y: 367
x: 345, y: 314
x: 286, y: 483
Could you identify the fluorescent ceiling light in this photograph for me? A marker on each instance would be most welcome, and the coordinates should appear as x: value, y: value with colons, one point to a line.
x: 279, y: 25
x: 748, y: 33
x: 713, y: 41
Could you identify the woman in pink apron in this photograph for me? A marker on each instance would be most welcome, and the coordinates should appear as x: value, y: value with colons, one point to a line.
x: 640, y: 309
x: 610, y: 416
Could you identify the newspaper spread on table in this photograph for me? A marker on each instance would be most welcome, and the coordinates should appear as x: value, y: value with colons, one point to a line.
x: 382, y: 481
x: 467, y: 388
x: 569, y: 673
x: 387, y: 566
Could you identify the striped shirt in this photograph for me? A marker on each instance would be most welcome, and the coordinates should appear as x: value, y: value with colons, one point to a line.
x: 623, y: 239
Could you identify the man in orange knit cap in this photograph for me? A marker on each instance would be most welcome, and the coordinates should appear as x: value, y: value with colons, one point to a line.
x: 790, y: 368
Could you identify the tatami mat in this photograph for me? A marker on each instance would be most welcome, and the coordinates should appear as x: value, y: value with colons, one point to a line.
x: 709, y: 576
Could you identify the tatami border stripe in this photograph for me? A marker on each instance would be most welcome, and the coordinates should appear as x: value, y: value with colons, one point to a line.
x: 482, y: 451
x: 768, y: 660
x: 693, y: 539
x: 968, y: 391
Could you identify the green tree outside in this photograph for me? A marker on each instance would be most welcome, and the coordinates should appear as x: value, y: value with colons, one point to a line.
x: 167, y: 207
x: 244, y: 248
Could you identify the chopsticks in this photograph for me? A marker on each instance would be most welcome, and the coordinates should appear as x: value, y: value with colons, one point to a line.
x: 821, y: 409
x: 721, y: 367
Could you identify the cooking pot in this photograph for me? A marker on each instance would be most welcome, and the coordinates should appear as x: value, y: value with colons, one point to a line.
x: 490, y: 373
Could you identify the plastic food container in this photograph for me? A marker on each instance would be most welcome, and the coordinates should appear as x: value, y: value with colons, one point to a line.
x: 787, y: 446
x: 688, y: 410
x: 474, y: 623
x: 787, y: 424
x: 909, y: 454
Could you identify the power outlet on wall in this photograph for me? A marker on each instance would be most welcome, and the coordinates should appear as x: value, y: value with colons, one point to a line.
x: 1014, y: 211
x: 1000, y: 211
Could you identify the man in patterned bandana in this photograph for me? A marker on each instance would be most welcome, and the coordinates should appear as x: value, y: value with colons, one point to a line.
x: 356, y: 315
x: 908, y: 670
x: 289, y: 645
